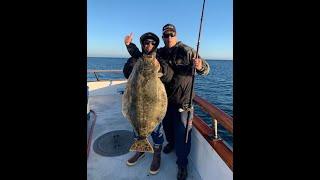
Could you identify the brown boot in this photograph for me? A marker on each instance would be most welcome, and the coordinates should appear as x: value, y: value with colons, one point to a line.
x: 155, y: 165
x: 134, y: 159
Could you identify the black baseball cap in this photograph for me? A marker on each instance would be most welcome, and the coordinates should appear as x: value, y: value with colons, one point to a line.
x: 168, y: 27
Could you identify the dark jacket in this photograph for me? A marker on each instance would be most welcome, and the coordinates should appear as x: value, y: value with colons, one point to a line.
x: 179, y: 58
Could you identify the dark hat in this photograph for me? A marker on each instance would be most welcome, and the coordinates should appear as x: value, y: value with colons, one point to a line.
x: 168, y: 27
x: 149, y: 35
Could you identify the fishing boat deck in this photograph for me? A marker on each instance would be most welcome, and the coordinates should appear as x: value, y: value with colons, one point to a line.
x: 105, y: 101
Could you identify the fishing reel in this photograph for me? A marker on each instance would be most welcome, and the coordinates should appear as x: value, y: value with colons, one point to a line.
x: 186, y: 107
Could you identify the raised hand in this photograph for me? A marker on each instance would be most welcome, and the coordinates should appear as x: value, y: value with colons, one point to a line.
x: 128, y: 39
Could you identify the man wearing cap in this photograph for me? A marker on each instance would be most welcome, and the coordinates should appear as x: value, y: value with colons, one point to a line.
x: 180, y: 58
x: 149, y: 43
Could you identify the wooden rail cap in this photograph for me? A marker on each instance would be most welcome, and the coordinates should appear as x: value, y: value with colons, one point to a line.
x: 223, y: 118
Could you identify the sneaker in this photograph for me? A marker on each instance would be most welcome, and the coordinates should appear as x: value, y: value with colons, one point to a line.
x: 168, y: 148
x: 182, y: 173
x: 155, y: 165
x: 134, y: 159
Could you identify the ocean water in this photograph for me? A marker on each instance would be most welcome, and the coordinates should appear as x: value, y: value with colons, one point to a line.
x: 216, y: 87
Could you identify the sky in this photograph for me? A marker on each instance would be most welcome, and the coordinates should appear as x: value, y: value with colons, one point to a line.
x: 109, y: 21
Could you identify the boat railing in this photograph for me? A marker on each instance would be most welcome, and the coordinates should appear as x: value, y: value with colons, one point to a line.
x: 97, y: 71
x: 209, y: 133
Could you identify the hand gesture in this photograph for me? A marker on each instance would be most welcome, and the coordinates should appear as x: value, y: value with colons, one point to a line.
x: 128, y: 39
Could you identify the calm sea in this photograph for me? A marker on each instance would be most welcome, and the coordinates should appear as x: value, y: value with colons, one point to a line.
x: 216, y: 87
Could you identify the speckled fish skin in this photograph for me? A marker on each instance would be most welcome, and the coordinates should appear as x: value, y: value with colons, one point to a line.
x: 144, y: 102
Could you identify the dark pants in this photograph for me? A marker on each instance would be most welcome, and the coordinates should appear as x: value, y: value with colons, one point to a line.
x: 174, y: 131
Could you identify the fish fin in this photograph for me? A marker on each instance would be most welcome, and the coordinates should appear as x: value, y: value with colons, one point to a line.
x: 142, y: 145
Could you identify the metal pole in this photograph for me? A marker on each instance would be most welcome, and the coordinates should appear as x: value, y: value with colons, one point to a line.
x: 215, y: 129
x: 193, y: 75
x: 96, y: 76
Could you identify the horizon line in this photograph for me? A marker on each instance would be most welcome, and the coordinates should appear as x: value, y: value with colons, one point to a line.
x: 129, y: 57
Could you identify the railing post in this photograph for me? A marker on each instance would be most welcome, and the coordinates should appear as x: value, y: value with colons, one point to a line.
x: 96, y: 76
x: 214, y: 135
x: 215, y: 126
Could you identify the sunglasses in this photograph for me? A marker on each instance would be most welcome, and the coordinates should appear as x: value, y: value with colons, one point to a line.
x: 169, y: 34
x: 149, y: 41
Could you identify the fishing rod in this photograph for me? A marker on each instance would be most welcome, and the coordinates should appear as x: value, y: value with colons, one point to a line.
x: 190, y: 108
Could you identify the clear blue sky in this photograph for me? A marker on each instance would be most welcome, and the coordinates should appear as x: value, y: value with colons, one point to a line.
x: 109, y: 21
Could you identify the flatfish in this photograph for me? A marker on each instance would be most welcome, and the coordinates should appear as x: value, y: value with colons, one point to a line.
x: 144, y: 102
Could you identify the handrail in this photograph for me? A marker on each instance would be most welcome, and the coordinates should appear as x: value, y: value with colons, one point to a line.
x: 218, y: 145
x: 226, y: 121
x: 95, y: 71
x: 215, y: 113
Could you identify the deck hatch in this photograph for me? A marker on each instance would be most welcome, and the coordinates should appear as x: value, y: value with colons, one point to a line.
x: 114, y: 143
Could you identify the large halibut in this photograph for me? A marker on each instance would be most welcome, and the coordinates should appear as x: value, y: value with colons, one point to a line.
x: 144, y: 102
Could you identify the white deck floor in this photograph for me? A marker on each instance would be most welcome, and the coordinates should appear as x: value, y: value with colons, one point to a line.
x: 106, y: 102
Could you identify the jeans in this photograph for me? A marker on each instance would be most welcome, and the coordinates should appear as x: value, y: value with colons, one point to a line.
x: 175, y: 134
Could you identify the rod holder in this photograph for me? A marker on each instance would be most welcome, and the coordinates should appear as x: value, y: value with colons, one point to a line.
x: 214, y: 136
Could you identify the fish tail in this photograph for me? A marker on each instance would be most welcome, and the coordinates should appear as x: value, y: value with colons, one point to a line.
x: 142, y: 145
